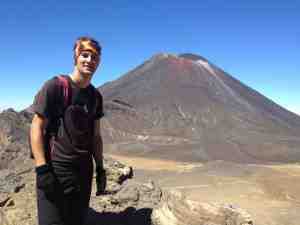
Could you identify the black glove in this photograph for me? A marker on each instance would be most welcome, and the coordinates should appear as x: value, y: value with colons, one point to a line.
x: 100, y: 180
x: 45, y: 179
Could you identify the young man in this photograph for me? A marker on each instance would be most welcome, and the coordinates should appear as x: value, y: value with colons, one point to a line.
x: 65, y: 136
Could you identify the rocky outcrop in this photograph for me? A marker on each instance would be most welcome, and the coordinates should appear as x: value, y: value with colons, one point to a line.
x: 116, y: 173
x: 131, y: 194
x: 14, y: 128
x: 176, y: 209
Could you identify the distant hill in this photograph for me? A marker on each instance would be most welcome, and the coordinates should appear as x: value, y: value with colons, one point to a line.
x: 14, y: 128
x: 185, y: 108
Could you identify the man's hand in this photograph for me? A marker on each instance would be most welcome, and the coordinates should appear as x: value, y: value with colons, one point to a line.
x: 45, y: 180
x: 100, y: 180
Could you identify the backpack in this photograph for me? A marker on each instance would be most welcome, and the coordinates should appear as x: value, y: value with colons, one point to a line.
x: 51, y: 131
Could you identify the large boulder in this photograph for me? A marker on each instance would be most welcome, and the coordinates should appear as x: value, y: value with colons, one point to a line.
x: 176, y: 209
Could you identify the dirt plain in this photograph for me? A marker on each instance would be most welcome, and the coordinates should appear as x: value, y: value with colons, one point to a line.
x: 270, y: 193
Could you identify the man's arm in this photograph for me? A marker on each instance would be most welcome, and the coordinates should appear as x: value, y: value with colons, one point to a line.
x: 45, y: 179
x: 36, y: 139
x: 98, y: 145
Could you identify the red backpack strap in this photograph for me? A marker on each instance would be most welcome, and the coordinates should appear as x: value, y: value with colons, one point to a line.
x: 65, y: 84
x: 65, y: 89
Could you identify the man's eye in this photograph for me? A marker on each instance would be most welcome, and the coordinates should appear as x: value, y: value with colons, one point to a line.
x: 85, y: 55
x: 94, y: 57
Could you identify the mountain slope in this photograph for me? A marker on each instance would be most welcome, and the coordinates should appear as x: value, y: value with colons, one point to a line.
x: 184, y: 102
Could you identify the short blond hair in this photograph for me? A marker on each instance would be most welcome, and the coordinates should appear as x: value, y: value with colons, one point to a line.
x: 86, y: 43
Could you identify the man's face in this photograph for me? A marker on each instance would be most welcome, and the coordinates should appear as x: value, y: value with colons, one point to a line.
x: 87, y: 62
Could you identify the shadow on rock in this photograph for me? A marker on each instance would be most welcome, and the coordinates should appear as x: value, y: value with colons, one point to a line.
x: 130, y: 216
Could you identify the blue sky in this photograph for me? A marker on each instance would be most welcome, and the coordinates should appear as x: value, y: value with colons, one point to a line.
x: 257, y: 42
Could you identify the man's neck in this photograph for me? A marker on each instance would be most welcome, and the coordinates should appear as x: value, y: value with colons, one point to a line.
x: 80, y: 79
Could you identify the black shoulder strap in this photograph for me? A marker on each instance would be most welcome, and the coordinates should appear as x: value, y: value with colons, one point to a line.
x: 94, y: 102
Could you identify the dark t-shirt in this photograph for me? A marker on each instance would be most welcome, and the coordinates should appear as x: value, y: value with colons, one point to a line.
x: 49, y: 103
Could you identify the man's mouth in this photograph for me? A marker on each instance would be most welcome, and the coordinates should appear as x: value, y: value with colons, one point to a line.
x: 89, y: 67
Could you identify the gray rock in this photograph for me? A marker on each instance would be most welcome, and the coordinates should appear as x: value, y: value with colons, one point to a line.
x: 116, y: 173
x: 176, y: 209
x: 131, y: 194
x: 10, y: 182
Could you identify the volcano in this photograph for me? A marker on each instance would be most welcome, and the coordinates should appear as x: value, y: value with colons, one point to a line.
x: 182, y: 107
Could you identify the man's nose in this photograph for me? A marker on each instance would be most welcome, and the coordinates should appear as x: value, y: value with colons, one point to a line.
x: 89, y: 58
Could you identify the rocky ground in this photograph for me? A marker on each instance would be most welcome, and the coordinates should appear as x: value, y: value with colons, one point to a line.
x: 127, y: 202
